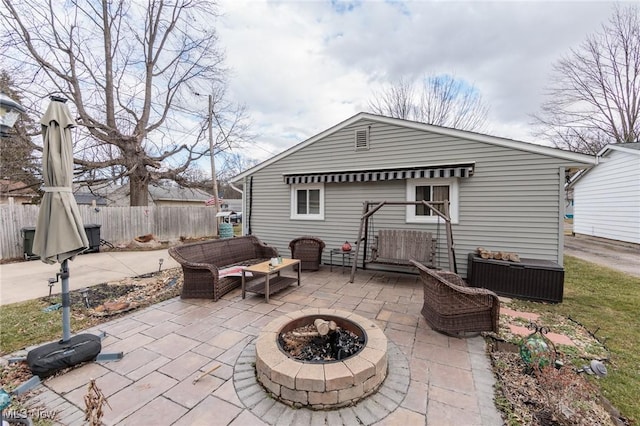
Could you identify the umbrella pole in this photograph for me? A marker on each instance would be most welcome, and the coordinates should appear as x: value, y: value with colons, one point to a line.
x: 66, y: 301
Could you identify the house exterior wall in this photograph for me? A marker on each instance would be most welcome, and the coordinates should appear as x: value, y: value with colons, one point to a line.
x: 513, y: 202
x: 607, y: 199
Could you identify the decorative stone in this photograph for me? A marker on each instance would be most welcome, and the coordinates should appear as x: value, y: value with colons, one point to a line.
x: 329, y: 385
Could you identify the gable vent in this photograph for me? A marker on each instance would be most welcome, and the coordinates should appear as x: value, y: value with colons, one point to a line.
x: 362, y: 139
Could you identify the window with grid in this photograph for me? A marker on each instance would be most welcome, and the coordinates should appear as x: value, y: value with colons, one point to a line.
x: 432, y: 190
x: 307, y: 202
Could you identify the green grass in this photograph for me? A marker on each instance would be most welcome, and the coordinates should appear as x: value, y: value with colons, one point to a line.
x: 607, y: 303
x: 24, y: 324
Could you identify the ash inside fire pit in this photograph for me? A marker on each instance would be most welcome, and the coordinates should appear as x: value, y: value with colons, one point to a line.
x: 308, y: 341
x: 335, y: 346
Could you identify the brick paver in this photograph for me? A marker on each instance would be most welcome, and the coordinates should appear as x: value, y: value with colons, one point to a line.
x: 432, y: 378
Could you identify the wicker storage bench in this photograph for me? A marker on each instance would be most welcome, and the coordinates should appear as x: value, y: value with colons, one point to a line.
x: 201, y: 264
x: 532, y: 279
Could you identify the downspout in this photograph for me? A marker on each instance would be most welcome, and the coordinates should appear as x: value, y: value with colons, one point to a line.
x: 250, y: 203
x: 236, y: 189
x: 561, y: 213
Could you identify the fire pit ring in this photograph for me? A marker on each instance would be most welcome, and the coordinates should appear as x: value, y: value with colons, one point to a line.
x: 321, y: 385
x: 348, y: 333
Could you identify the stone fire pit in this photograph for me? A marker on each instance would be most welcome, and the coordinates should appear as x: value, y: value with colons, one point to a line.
x: 333, y: 384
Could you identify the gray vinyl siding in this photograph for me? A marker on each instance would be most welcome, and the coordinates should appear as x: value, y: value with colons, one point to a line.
x: 512, y: 202
x: 607, y: 199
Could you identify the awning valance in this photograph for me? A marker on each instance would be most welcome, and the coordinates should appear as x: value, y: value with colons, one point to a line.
x: 427, y: 172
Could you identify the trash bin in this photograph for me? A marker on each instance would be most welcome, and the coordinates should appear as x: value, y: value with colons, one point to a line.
x: 28, y: 235
x: 93, y: 235
x: 226, y: 230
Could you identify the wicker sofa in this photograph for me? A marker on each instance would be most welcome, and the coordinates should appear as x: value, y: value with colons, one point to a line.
x: 309, y: 251
x: 451, y: 307
x: 202, y: 262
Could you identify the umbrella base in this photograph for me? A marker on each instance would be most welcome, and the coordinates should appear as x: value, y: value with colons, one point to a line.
x: 66, y: 354
x: 48, y: 359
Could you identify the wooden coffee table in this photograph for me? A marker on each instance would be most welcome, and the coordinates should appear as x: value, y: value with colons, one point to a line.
x: 267, y: 284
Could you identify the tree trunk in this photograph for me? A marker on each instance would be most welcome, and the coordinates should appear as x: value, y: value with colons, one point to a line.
x: 139, y: 187
x: 139, y: 193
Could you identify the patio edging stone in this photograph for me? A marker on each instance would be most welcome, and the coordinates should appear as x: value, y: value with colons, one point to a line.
x: 368, y: 411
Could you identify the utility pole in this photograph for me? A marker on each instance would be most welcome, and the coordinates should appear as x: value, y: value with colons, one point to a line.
x: 213, y: 165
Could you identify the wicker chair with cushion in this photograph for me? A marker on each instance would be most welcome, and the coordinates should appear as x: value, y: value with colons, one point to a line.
x: 451, y: 307
x: 308, y: 250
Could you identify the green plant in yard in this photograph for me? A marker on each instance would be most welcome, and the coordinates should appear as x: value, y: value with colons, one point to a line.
x: 606, y: 302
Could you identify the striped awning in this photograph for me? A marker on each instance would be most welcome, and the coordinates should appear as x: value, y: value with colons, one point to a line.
x: 428, y: 172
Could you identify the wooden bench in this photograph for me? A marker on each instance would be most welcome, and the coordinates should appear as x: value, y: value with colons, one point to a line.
x: 398, y: 246
x: 204, y: 264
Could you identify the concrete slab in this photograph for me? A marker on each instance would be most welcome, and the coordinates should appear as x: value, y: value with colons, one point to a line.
x: 29, y: 280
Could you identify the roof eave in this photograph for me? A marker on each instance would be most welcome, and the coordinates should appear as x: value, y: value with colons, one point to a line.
x: 616, y: 147
x: 463, y: 134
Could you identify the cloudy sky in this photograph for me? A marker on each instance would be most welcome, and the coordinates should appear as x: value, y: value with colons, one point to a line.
x: 303, y: 66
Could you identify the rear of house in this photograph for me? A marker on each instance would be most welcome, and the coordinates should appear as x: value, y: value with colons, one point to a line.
x: 607, y: 197
x: 504, y: 194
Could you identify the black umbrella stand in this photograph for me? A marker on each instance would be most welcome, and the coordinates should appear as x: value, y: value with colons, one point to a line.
x: 67, y: 352
x: 66, y: 302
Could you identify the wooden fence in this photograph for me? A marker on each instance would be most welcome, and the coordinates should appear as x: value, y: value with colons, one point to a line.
x: 118, y: 225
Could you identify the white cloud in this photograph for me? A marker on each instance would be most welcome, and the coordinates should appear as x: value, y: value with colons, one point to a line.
x: 304, y: 66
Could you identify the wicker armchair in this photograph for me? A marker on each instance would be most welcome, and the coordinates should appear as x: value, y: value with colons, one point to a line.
x: 451, y: 307
x: 308, y: 250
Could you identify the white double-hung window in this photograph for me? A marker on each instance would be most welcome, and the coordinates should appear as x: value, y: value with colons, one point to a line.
x: 432, y: 190
x: 307, y: 201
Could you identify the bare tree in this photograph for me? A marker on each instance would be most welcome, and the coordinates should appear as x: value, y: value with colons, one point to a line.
x: 594, y: 95
x: 19, y: 159
x: 442, y: 101
x: 396, y: 100
x: 130, y: 68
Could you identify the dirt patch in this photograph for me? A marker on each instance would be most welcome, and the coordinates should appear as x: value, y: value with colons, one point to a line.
x: 550, y: 394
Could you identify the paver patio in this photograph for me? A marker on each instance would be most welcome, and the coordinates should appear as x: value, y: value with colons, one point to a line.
x: 433, y: 379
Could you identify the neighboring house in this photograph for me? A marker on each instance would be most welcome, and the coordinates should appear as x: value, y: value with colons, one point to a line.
x: 16, y: 190
x: 231, y: 204
x: 84, y: 197
x: 177, y: 196
x: 607, y: 197
x: 118, y: 195
x: 505, y: 194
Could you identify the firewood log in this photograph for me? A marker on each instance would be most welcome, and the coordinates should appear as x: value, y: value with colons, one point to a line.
x: 322, y: 326
x: 486, y: 254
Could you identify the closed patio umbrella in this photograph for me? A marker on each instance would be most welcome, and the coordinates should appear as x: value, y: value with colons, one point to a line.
x: 59, y: 237
x: 60, y: 233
